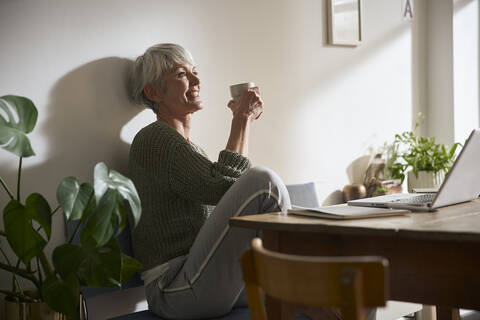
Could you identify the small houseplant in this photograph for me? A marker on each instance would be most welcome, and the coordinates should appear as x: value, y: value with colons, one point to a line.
x: 419, y: 157
x: 100, y: 210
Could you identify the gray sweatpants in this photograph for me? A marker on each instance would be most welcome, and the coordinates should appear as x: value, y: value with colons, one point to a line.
x: 208, y: 282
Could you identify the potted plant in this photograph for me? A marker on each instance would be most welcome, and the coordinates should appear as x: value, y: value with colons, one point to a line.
x: 421, y: 158
x: 100, y: 211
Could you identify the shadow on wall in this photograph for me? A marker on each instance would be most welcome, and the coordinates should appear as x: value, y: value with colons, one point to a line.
x: 87, y: 109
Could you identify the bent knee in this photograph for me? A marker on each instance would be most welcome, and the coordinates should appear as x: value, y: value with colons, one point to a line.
x: 263, y: 174
x: 262, y: 178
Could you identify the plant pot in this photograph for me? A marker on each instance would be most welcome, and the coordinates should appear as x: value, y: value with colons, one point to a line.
x: 426, y: 179
x: 30, y: 311
x: 37, y: 310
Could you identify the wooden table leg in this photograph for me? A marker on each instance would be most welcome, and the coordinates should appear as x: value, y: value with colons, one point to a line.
x: 447, y: 313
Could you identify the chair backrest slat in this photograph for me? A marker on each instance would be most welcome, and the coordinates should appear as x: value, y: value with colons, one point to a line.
x: 349, y: 283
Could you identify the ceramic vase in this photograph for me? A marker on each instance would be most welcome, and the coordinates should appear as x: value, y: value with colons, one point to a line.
x: 426, y: 179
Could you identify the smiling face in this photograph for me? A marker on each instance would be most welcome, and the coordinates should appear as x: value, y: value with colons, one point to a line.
x: 179, y: 94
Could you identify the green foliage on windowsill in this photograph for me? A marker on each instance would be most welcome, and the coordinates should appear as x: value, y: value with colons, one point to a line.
x: 410, y: 152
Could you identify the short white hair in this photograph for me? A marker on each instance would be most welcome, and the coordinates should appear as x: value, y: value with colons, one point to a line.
x: 150, y: 67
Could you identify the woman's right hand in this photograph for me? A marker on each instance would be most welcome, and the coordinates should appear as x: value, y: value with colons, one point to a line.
x: 250, y: 105
x: 248, y: 108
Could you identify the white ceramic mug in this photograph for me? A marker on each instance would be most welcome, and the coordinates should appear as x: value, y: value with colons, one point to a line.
x: 237, y: 89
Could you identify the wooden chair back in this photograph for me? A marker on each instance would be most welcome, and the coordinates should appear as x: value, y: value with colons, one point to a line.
x: 349, y: 283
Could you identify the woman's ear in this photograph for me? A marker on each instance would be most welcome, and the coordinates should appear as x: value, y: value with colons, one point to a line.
x: 153, y: 92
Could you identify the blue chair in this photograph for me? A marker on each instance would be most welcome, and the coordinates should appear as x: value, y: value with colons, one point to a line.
x: 300, y: 194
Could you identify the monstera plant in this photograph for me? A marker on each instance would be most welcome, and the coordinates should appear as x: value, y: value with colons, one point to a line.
x: 99, y: 210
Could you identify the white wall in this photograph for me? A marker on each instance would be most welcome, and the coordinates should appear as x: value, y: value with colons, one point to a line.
x: 324, y: 106
x: 420, y: 60
x: 440, y: 70
x: 453, y: 69
x: 466, y: 67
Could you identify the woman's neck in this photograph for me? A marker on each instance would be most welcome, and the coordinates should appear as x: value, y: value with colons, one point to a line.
x: 181, y: 125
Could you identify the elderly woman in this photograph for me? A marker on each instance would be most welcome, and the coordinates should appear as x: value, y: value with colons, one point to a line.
x: 189, y: 253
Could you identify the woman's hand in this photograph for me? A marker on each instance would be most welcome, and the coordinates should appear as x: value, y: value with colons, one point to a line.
x: 250, y: 105
x: 248, y: 108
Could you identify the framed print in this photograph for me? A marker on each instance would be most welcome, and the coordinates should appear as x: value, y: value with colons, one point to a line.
x: 345, y: 22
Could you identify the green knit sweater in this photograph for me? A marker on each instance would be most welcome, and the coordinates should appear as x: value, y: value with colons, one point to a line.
x: 177, y: 185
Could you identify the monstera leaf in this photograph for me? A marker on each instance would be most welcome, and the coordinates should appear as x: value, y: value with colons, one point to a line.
x: 115, y: 196
x: 62, y: 294
x: 108, y: 216
x: 22, y: 237
x: 39, y: 210
x: 74, y: 198
x: 95, y: 266
x: 104, y: 180
x: 13, y: 132
x: 129, y: 267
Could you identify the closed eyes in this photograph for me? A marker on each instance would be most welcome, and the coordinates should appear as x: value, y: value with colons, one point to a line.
x: 182, y: 74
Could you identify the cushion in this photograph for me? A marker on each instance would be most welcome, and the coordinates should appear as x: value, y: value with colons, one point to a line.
x: 304, y: 194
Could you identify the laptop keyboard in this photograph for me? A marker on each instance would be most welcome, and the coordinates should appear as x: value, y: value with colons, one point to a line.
x: 420, y: 199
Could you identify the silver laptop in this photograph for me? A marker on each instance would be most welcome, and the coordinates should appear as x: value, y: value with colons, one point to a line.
x: 461, y: 184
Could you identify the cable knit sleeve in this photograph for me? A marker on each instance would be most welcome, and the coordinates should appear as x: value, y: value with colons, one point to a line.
x: 193, y: 176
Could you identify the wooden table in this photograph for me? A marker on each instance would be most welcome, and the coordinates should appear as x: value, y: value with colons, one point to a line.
x: 434, y: 257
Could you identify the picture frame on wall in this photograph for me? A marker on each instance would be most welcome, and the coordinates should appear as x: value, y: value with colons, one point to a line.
x: 345, y: 22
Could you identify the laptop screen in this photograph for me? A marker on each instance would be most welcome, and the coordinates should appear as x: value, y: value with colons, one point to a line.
x: 463, y: 180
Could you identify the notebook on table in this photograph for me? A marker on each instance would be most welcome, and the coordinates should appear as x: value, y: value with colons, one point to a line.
x: 461, y: 184
x: 345, y: 212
